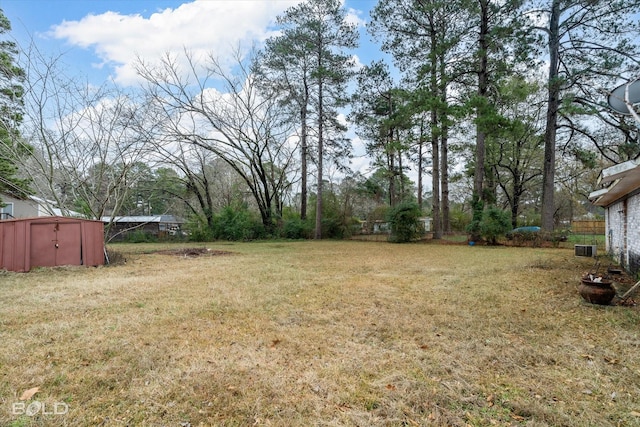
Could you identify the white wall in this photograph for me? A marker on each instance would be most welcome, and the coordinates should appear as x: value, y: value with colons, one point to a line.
x: 22, y: 208
x: 623, y: 232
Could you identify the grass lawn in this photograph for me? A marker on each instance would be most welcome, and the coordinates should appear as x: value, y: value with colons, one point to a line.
x: 317, y: 334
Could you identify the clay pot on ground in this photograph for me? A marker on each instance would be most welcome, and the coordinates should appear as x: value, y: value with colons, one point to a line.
x: 596, y: 290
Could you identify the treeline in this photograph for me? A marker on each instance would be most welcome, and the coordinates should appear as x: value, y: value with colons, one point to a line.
x: 486, y: 106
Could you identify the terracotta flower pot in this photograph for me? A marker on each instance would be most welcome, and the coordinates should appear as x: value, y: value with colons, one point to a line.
x: 597, y: 291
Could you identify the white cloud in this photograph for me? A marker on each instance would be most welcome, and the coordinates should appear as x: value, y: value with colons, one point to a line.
x: 360, y: 162
x: 201, y: 26
x: 357, y: 63
x: 354, y: 17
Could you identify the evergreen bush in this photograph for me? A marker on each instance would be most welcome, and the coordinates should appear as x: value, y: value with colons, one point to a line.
x: 403, y: 220
x: 296, y: 228
x: 237, y: 224
x: 495, y: 223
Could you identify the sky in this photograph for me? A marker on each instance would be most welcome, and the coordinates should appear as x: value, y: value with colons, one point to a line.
x: 101, y: 39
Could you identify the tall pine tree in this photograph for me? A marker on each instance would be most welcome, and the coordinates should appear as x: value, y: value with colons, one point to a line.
x: 319, y: 37
x: 11, y: 110
x: 424, y: 37
x: 284, y: 68
x: 590, y: 43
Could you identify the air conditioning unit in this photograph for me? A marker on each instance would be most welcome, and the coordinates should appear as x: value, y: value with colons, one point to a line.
x: 585, y: 250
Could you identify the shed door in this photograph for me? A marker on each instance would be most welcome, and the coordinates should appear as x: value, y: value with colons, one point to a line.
x: 55, y: 244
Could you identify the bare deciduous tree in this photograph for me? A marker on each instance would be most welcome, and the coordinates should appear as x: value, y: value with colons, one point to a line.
x: 239, y: 124
x: 84, y: 139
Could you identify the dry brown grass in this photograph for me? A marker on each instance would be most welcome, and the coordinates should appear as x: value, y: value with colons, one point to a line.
x: 319, y: 334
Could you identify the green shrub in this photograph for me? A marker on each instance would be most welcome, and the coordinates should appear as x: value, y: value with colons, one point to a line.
x: 495, y: 223
x: 198, y: 230
x: 460, y: 219
x: 403, y: 220
x: 473, y: 228
x: 237, y: 224
x: 524, y: 237
x: 296, y: 228
x: 139, y: 236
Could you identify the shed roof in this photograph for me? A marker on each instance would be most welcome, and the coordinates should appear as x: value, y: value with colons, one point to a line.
x: 52, y: 218
x: 618, y: 181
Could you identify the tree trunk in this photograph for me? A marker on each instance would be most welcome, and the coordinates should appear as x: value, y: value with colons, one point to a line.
x: 435, y: 180
x: 391, y: 160
x: 553, y: 102
x: 435, y: 140
x: 444, y: 178
x: 515, y: 204
x: 303, y: 163
x: 478, y: 183
x: 483, y: 46
x: 320, y: 154
x: 420, y: 162
x: 444, y: 150
x: 391, y: 166
x: 400, y: 174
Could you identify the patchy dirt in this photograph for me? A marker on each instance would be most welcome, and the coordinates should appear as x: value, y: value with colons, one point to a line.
x: 622, y: 282
x: 193, y: 252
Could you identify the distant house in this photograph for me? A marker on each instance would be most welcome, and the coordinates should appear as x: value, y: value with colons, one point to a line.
x: 426, y: 223
x: 156, y: 225
x: 383, y: 227
x: 620, y: 197
x: 31, y: 207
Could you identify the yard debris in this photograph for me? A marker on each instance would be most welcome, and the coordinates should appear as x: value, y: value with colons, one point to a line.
x: 490, y: 400
x: 193, y: 252
x: 28, y: 394
x: 274, y: 343
x: 629, y: 302
x: 611, y: 360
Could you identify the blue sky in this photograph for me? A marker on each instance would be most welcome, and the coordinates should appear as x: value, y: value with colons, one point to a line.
x: 100, y: 38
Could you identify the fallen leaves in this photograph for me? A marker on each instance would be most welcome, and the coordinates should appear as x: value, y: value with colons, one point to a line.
x: 490, y: 400
x: 611, y: 360
x: 28, y: 394
x: 607, y: 359
x: 274, y: 343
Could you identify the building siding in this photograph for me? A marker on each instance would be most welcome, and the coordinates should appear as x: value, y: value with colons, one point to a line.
x: 623, y: 232
x: 22, y: 208
x: 632, y: 233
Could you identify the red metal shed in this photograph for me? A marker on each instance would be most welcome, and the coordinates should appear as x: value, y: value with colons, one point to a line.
x: 50, y: 241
